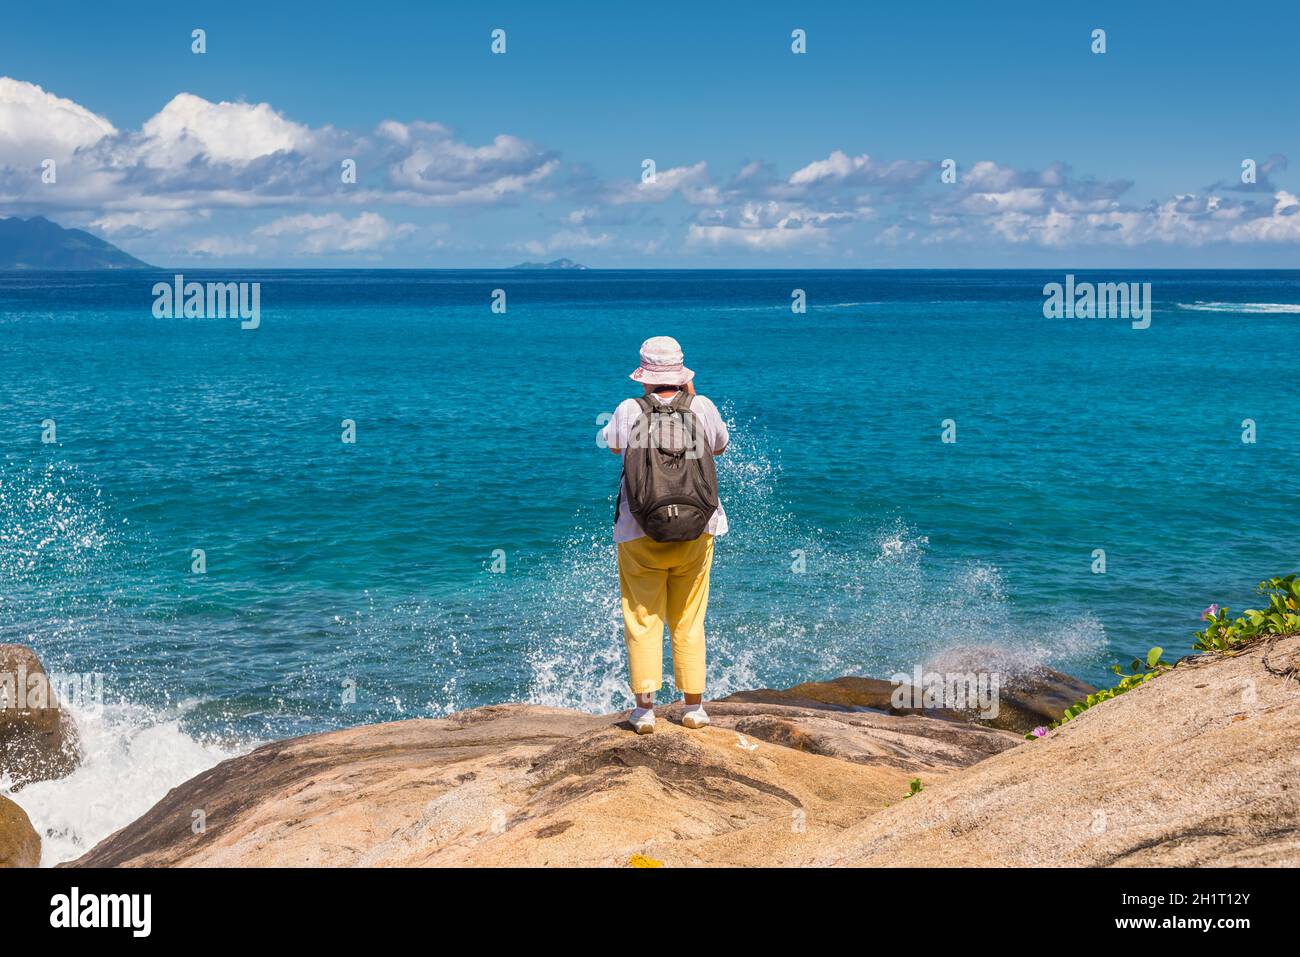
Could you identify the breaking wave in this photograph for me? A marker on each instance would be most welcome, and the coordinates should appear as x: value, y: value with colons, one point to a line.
x: 1256, y: 308
x: 130, y: 758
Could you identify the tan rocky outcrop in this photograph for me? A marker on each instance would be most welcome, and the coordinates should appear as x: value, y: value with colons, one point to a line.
x: 38, y: 739
x: 1199, y: 767
x: 1028, y: 696
x: 526, y: 785
x: 20, y: 845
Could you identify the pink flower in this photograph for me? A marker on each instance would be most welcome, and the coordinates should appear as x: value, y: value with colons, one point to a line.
x: 1210, y: 612
x: 1039, y: 731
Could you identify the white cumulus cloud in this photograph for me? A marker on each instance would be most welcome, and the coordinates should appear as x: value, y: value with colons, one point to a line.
x: 35, y: 125
x: 233, y: 133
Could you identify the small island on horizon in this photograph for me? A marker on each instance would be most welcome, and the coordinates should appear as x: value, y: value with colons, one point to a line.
x: 553, y: 264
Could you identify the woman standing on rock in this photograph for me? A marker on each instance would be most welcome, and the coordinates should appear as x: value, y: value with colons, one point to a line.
x: 666, y: 519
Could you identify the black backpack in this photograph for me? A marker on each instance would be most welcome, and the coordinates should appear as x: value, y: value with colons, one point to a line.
x: 668, y: 471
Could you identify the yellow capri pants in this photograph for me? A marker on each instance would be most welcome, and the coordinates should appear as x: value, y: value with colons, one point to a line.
x: 665, y: 583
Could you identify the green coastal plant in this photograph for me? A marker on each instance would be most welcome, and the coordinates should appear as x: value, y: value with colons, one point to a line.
x: 914, y: 786
x: 1142, y: 672
x: 1281, y: 617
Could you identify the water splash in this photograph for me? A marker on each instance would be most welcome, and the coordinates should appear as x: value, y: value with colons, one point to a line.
x: 867, y: 600
x: 131, y: 757
x: 52, y: 524
x: 575, y: 654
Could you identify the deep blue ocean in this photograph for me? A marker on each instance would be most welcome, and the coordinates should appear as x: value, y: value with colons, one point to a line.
x: 369, y: 566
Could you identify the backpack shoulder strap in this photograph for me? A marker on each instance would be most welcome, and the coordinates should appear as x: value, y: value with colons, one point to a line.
x: 681, y: 401
x: 645, y: 402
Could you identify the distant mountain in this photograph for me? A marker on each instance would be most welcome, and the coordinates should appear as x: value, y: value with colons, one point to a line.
x: 37, y: 243
x: 553, y: 264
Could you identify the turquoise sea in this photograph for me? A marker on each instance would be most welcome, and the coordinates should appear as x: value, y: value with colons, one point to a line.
x: 368, y: 566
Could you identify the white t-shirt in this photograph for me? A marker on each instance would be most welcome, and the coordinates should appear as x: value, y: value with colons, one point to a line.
x: 618, y: 432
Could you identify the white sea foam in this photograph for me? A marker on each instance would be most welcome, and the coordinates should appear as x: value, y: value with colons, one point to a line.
x: 1257, y: 308
x: 131, y: 757
x: 814, y: 306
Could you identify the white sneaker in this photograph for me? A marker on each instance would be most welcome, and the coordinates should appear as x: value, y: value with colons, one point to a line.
x: 642, y: 720
x: 695, y: 718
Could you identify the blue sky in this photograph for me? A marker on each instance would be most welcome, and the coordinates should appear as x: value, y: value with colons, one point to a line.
x: 763, y: 157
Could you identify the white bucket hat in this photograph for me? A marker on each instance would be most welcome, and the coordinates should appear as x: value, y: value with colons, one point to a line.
x: 661, y: 363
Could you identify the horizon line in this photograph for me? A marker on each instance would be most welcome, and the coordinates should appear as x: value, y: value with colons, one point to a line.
x: 6, y: 271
